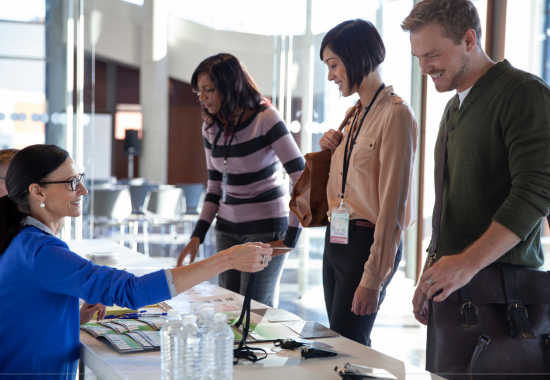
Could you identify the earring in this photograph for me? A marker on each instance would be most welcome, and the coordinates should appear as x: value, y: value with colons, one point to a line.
x: 42, y: 205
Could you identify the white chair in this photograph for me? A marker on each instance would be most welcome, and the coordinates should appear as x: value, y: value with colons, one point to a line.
x: 164, y: 207
x: 111, y: 208
x: 139, y: 193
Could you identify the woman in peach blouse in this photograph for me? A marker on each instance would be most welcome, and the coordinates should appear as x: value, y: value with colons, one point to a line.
x: 370, y: 182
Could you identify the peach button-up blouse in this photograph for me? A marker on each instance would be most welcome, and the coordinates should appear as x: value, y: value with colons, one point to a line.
x: 380, y: 181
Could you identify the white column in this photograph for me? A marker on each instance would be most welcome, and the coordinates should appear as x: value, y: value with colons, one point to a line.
x: 305, y: 145
x: 153, y: 93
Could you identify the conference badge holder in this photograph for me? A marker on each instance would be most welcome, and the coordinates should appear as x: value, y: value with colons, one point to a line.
x: 309, y: 352
x: 339, y: 224
x: 358, y: 372
x: 224, y: 181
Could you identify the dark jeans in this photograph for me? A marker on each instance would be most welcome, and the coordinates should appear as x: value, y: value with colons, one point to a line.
x: 343, y: 267
x: 266, y: 285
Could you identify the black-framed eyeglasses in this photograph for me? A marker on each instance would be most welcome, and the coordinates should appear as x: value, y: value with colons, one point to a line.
x: 75, y: 182
x: 3, y: 178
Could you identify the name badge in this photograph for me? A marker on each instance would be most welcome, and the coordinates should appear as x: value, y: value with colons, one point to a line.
x: 339, y: 225
x: 224, y: 186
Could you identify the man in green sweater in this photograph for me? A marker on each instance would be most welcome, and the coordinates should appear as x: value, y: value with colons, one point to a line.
x: 496, y: 183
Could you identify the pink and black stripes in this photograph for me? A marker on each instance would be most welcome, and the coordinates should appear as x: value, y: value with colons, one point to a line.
x: 257, y: 193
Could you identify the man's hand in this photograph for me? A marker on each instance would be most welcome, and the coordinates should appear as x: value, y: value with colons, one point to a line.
x: 420, y: 306
x: 87, y: 312
x: 330, y: 140
x: 279, y: 244
x: 365, y: 301
x: 450, y: 273
x: 190, y: 249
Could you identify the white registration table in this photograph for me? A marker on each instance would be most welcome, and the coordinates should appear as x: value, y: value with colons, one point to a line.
x: 105, y: 361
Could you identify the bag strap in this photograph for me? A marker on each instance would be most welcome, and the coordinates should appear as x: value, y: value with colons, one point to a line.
x: 349, y: 113
x: 482, y: 343
x: 517, y: 313
x: 468, y: 311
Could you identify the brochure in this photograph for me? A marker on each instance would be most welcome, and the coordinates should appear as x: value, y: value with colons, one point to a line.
x: 128, y: 335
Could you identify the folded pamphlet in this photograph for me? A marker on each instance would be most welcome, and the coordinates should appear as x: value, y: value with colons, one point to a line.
x: 128, y: 335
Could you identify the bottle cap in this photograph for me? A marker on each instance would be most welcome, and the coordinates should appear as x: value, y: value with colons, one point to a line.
x: 195, y: 307
x: 208, y: 311
x: 173, y: 313
x: 189, y: 319
x: 220, y: 317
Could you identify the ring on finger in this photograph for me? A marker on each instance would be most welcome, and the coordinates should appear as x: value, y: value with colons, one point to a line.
x: 265, y: 260
x: 430, y: 281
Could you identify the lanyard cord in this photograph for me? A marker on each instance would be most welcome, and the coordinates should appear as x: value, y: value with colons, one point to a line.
x: 243, y: 351
x: 347, y: 158
x: 227, y: 146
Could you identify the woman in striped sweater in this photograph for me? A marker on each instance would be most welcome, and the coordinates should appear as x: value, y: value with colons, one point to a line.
x: 247, y: 145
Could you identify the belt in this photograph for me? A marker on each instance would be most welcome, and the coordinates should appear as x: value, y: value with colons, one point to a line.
x: 360, y: 223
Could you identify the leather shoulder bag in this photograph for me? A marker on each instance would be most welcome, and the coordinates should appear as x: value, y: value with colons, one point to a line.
x: 309, y: 194
x: 495, y: 327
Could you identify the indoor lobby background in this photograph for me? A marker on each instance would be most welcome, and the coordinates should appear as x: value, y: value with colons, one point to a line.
x: 79, y: 73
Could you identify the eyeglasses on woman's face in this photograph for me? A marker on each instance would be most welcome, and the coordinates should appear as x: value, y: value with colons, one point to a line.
x: 75, y: 182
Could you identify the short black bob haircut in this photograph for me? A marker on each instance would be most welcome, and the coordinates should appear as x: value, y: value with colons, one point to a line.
x: 359, y: 45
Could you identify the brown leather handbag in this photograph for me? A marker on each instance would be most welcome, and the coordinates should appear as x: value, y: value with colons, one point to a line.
x: 309, y: 194
x: 495, y: 327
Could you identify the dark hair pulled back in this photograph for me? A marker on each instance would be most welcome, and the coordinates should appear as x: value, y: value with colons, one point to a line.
x: 30, y: 165
x: 236, y: 87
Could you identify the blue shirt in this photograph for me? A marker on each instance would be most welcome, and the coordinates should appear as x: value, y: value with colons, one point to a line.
x: 41, y: 281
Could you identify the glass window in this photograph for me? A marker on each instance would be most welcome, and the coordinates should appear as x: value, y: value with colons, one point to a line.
x: 22, y: 77
x: 23, y: 10
x: 524, y: 45
x: 245, y: 16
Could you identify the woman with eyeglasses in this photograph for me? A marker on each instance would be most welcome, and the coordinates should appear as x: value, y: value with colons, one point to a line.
x: 38, y: 272
x: 247, y: 145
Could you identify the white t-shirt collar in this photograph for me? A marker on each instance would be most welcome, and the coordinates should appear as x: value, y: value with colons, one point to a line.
x: 462, y: 95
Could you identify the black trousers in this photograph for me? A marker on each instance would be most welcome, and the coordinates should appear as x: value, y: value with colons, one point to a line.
x: 343, y: 267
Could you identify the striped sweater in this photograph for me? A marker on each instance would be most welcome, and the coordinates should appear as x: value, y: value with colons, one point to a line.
x: 257, y: 193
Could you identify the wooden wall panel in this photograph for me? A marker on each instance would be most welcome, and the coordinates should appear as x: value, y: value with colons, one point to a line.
x: 186, y: 159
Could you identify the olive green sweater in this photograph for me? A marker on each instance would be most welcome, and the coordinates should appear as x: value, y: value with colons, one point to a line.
x: 498, y: 163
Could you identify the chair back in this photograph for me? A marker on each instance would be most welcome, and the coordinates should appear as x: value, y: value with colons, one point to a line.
x: 194, y: 196
x: 112, y: 204
x: 134, y: 181
x: 98, y: 184
x: 165, y: 204
x: 139, y: 193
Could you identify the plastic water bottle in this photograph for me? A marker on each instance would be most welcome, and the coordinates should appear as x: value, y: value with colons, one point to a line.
x: 206, y: 325
x: 195, y: 309
x: 206, y: 320
x: 192, y: 350
x: 223, y: 338
x: 171, y: 346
